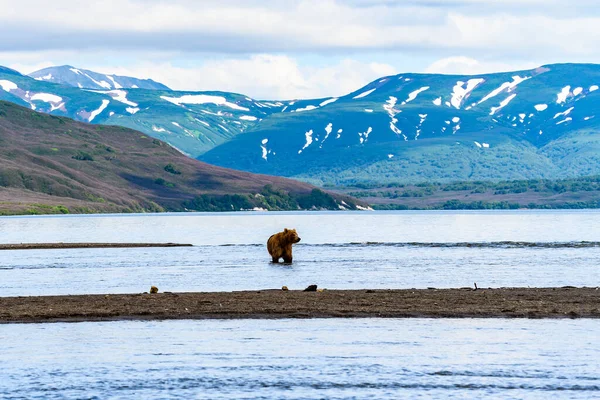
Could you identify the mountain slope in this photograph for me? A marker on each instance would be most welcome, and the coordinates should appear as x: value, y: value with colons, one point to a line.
x: 413, y: 127
x: 86, y: 79
x: 57, y: 161
x: 538, y: 123
x: 194, y: 122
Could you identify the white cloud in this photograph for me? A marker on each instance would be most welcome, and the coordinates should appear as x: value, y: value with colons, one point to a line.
x: 461, y: 65
x: 265, y: 43
x: 261, y: 76
x: 499, y: 28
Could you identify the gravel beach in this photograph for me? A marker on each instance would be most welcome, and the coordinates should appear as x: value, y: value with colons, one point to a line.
x: 565, y: 302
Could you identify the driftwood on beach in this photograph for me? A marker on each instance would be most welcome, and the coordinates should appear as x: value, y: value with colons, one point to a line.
x: 567, y: 302
x: 44, y: 246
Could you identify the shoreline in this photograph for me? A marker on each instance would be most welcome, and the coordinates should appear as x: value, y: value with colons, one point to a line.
x: 46, y: 246
x: 565, y: 302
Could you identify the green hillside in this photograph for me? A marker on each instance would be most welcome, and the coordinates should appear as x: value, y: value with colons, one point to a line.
x: 51, y: 164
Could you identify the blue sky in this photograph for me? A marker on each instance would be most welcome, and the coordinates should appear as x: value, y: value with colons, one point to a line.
x: 295, y: 48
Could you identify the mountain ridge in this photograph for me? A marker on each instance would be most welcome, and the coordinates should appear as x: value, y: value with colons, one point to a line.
x: 394, y: 128
x: 87, y: 79
x: 510, y: 125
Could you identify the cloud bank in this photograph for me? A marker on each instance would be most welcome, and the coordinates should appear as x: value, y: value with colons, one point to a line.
x: 264, y: 48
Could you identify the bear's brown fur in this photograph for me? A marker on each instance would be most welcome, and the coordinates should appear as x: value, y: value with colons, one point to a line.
x: 280, y: 245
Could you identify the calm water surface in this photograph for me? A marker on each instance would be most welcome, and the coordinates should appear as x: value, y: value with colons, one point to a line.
x: 304, y: 359
x: 338, y: 250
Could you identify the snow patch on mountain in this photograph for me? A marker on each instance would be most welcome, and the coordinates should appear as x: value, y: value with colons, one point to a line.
x: 158, y: 129
x: 503, y: 104
x: 413, y: 95
x: 202, y: 122
x: 459, y: 93
x: 218, y: 114
x: 248, y: 118
x: 115, y: 83
x: 132, y: 110
x: 329, y: 101
x: 328, y: 130
x: 203, y: 99
x: 263, y: 148
x: 47, y: 97
x: 307, y: 108
x: 54, y: 107
x: 7, y: 86
x: 44, y: 78
x: 422, y: 119
x: 392, y: 112
x: 103, y: 84
x: 364, y: 136
x: 309, y: 140
x: 564, y: 113
x: 561, y: 97
x: 95, y: 113
x: 564, y: 120
x: 117, y: 95
x: 508, y: 86
x: 364, y: 94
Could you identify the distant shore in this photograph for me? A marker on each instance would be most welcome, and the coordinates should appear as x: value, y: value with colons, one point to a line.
x: 39, y: 246
x: 565, y: 302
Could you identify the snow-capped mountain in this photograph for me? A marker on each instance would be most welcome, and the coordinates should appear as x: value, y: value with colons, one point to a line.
x: 85, y: 79
x: 193, y: 122
x: 403, y: 128
x: 416, y: 127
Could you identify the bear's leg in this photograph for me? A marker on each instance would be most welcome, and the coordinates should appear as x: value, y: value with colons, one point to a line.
x: 275, y: 260
x: 287, y: 258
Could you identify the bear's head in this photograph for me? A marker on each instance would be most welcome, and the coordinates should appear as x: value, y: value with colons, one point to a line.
x: 291, y: 235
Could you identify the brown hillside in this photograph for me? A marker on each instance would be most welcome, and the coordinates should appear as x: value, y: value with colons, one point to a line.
x: 48, y: 161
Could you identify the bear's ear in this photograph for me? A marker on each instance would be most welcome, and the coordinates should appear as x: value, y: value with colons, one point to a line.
x: 285, y: 230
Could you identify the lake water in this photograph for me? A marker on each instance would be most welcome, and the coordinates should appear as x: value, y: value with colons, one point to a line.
x: 321, y: 358
x: 303, y: 359
x: 337, y: 251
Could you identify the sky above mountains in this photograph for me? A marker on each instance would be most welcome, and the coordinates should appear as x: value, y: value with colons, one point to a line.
x: 294, y: 48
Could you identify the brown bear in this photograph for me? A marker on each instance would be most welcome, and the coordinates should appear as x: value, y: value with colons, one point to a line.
x: 280, y: 245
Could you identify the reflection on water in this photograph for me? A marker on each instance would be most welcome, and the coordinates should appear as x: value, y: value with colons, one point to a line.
x: 329, y: 358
